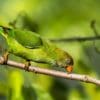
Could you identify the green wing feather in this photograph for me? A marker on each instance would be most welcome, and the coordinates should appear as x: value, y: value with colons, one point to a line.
x: 27, y: 38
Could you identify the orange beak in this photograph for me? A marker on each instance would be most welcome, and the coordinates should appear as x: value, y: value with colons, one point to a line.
x: 69, y: 69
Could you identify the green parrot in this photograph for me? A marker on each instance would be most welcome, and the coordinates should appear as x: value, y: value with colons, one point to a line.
x: 32, y: 47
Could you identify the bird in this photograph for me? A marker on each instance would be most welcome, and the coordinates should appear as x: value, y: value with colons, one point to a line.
x: 32, y: 47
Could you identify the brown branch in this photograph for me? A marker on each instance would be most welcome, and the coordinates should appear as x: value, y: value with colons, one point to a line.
x: 77, y: 39
x: 83, y: 78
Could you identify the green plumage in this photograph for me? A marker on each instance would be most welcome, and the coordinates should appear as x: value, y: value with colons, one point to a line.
x: 31, y: 46
x: 26, y: 38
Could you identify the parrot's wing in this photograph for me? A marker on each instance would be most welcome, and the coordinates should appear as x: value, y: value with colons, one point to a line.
x: 27, y: 38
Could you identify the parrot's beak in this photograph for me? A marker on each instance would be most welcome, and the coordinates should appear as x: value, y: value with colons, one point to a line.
x: 69, y: 69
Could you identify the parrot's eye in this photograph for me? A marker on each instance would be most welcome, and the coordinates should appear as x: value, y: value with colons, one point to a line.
x: 69, y: 61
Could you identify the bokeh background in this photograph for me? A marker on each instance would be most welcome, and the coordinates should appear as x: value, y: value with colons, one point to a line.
x: 53, y: 19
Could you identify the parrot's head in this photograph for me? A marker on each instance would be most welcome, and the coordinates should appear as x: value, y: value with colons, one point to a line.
x: 64, y: 60
x: 4, y: 31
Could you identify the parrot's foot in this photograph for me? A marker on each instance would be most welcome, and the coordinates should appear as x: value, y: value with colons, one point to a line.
x: 27, y: 64
x: 5, y: 57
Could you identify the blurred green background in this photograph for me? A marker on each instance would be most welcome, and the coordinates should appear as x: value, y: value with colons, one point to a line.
x: 53, y: 19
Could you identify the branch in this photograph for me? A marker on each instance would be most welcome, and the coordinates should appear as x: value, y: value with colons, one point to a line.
x: 77, y: 39
x: 93, y: 27
x: 81, y: 39
x: 83, y: 78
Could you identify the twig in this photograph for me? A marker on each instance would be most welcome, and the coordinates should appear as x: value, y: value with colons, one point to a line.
x: 80, y: 39
x: 83, y: 78
x: 93, y: 27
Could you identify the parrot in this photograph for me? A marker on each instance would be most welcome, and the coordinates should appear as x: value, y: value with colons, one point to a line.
x: 33, y: 47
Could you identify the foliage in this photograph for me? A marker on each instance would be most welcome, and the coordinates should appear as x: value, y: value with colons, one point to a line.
x: 52, y: 20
